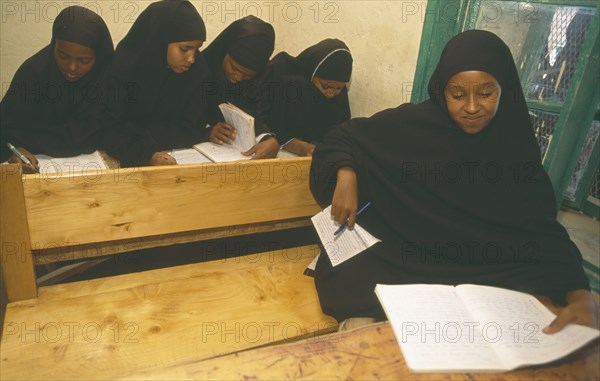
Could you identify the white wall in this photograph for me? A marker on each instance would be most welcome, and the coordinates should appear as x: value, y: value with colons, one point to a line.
x: 383, y: 36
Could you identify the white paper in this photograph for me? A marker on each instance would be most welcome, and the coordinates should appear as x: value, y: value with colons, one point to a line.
x: 221, y: 153
x: 344, y: 245
x: 243, y: 123
x: 68, y: 165
x: 283, y: 154
x: 189, y: 156
x: 474, y: 328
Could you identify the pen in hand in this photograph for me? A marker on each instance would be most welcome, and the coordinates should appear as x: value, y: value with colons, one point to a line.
x: 23, y: 158
x: 345, y: 224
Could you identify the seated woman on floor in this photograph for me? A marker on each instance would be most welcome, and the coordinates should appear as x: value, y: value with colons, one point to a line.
x: 457, y: 189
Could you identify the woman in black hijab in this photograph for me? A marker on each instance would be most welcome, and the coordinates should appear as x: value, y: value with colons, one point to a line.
x: 237, y: 58
x: 308, y: 94
x: 457, y: 189
x: 54, y: 101
x: 157, y: 82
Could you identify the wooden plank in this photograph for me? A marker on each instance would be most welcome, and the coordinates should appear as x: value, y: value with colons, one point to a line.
x: 366, y: 353
x: 57, y: 254
x: 15, y: 249
x: 137, y: 202
x: 108, y: 327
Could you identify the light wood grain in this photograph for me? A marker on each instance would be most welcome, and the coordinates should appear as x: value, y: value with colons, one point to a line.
x: 139, y: 202
x: 366, y: 353
x: 106, y: 328
x: 15, y: 248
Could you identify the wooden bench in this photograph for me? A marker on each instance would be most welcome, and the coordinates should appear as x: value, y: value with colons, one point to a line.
x: 366, y: 353
x: 108, y: 327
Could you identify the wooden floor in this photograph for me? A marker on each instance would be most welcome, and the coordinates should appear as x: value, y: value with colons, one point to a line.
x: 110, y: 327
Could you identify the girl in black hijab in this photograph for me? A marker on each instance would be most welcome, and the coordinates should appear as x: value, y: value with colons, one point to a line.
x: 458, y: 193
x: 237, y: 58
x: 157, y: 81
x: 308, y: 94
x: 55, y: 98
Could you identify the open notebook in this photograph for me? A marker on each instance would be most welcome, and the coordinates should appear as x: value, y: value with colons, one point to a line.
x: 472, y: 328
x: 245, y: 139
x: 67, y: 165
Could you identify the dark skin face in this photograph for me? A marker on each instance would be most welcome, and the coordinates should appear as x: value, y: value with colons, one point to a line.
x: 182, y: 55
x: 235, y: 72
x: 472, y: 98
x: 327, y: 87
x: 73, y: 60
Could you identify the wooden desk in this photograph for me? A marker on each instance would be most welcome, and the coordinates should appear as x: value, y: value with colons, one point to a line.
x: 366, y: 353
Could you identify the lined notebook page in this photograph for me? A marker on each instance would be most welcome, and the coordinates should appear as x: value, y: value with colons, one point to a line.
x: 345, y: 245
x: 67, y: 165
x: 243, y: 123
x: 435, y: 330
x: 221, y: 153
x: 189, y: 156
x: 520, y: 318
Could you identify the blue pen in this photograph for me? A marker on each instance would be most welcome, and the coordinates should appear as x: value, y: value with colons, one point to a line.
x: 345, y: 224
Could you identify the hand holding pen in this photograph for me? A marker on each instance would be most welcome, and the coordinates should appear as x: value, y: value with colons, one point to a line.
x: 345, y: 224
x: 28, y: 165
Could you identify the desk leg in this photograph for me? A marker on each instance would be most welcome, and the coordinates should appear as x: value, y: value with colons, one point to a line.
x: 16, y: 259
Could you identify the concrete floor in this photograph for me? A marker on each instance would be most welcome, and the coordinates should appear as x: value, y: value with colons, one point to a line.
x: 585, y: 232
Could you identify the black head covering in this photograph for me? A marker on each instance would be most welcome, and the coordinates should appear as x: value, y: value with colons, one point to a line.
x: 82, y: 26
x: 142, y: 53
x: 296, y: 108
x: 329, y: 59
x: 162, y: 109
x: 449, y: 207
x: 44, y: 113
x: 252, y: 52
x: 250, y: 42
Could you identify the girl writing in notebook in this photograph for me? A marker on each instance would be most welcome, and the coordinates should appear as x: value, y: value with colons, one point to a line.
x: 54, y: 101
x: 457, y: 189
x: 156, y: 87
x: 237, y: 58
x: 318, y: 77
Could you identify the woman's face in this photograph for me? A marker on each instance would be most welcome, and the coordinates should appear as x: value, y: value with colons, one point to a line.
x: 472, y: 98
x: 235, y: 72
x: 73, y: 60
x: 182, y: 55
x: 327, y: 87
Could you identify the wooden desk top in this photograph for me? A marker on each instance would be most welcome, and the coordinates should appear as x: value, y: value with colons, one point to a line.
x: 366, y: 353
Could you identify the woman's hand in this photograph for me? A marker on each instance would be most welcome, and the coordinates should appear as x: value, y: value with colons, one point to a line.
x: 26, y: 168
x: 300, y: 147
x: 581, y: 309
x: 162, y: 158
x: 345, y: 197
x: 222, y: 133
x: 266, y: 149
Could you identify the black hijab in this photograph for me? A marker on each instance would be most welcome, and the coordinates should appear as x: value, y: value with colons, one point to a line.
x: 250, y: 41
x: 155, y: 108
x: 295, y: 108
x: 449, y: 207
x: 46, y: 114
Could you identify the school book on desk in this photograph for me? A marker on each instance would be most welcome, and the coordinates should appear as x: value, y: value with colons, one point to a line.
x: 67, y: 165
x: 471, y: 328
x: 244, y: 140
